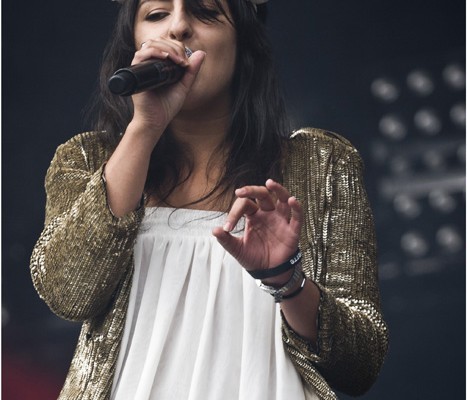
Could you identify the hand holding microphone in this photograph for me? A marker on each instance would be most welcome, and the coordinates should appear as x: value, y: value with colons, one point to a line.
x: 147, y: 75
x: 163, y: 64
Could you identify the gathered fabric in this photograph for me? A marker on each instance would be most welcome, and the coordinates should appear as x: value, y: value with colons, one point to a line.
x: 197, y: 326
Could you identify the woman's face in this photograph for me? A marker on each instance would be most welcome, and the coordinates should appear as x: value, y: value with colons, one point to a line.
x: 169, y: 19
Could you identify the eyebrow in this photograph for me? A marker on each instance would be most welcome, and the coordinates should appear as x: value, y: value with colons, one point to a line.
x: 153, y: 1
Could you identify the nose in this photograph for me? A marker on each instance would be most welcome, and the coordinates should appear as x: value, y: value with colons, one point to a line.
x: 181, y: 25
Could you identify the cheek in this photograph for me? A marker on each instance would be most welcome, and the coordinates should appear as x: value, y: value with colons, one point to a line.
x: 138, y: 38
x: 218, y: 73
x: 222, y: 63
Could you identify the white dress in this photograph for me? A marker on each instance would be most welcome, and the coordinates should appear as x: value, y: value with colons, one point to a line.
x: 198, y: 327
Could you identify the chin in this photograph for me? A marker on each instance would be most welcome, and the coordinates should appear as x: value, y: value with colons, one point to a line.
x: 207, y: 101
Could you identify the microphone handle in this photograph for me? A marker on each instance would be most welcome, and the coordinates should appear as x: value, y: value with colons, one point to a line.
x: 145, y: 76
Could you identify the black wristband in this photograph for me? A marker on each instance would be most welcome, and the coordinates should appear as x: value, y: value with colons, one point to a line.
x: 297, y: 291
x: 272, y: 272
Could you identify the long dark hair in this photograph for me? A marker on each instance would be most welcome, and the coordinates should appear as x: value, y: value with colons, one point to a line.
x: 259, y: 124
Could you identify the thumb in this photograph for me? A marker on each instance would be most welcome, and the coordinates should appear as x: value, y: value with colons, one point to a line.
x: 230, y: 243
x: 196, y: 60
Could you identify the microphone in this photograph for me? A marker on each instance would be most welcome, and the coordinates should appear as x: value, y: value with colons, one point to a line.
x: 147, y: 75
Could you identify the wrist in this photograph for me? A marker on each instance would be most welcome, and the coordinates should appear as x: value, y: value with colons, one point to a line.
x: 278, y: 274
x: 289, y: 287
x: 294, y: 291
x: 279, y: 280
x: 143, y: 131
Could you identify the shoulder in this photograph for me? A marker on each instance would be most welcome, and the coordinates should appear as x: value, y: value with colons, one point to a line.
x: 319, y: 144
x: 320, y: 136
x: 87, y: 149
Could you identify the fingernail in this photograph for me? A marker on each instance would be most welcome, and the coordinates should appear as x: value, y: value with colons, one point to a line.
x: 165, y: 54
x: 227, y: 227
x: 240, y: 192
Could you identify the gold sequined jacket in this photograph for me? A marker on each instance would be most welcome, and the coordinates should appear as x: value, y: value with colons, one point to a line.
x: 82, y: 263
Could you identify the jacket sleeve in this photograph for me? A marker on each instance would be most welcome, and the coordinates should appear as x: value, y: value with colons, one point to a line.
x: 340, y: 256
x: 83, y: 251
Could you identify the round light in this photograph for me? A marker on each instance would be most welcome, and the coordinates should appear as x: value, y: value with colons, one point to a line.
x: 392, y: 127
x: 454, y: 76
x: 388, y: 270
x: 457, y: 114
x: 414, y: 244
x: 449, y: 238
x: 442, y: 201
x: 385, y: 90
x: 427, y: 121
x: 399, y: 165
x: 433, y: 159
x: 420, y: 83
x: 407, y: 206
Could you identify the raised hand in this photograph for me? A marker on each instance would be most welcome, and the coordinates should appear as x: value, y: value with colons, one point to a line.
x: 273, y: 220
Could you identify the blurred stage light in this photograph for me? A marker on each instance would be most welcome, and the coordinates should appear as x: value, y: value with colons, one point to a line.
x: 392, y: 127
x: 407, y: 206
x: 414, y: 244
x: 454, y: 76
x: 420, y: 83
x: 421, y: 168
x: 385, y: 90
x: 434, y: 160
x: 449, y: 238
x: 457, y: 114
x: 442, y: 201
x: 399, y: 165
x: 389, y: 270
x: 427, y: 121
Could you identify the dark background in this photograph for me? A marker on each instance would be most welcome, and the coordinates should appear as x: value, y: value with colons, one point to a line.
x: 329, y: 54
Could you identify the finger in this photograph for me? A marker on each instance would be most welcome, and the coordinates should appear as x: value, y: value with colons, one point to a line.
x: 175, y: 46
x: 240, y: 208
x: 147, y: 53
x: 260, y: 194
x: 195, y: 63
x: 280, y: 191
x: 296, y: 219
x: 230, y: 243
x: 151, y: 48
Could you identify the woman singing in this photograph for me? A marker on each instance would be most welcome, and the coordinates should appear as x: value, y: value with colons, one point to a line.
x: 209, y: 252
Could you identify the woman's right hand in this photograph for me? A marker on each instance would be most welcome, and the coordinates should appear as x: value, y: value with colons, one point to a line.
x: 155, y: 109
x: 127, y: 168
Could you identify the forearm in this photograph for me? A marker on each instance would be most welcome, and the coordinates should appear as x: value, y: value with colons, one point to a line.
x: 300, y: 311
x: 82, y: 252
x: 351, y: 332
x: 127, y: 168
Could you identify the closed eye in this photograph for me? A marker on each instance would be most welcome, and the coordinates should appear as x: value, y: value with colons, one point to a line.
x: 156, y: 16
